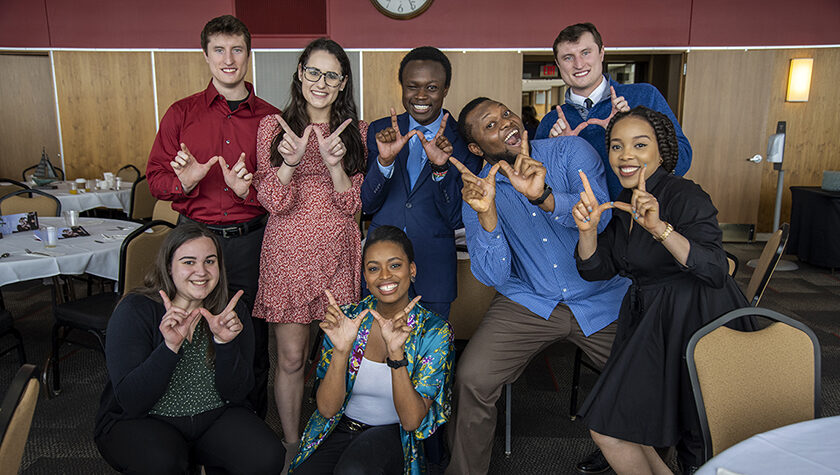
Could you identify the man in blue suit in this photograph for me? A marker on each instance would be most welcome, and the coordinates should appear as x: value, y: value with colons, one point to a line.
x: 414, y: 188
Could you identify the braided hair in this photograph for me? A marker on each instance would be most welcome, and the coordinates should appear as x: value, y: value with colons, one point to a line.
x: 666, y: 137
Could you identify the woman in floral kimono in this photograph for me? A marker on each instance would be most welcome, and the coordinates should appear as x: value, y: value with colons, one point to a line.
x: 384, y: 375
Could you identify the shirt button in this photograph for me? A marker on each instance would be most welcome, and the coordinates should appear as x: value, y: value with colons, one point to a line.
x: 225, y: 213
x: 227, y: 142
x: 498, y: 236
x: 555, y: 266
x: 504, y: 258
x: 545, y: 240
x: 564, y: 290
x: 226, y: 189
x: 228, y: 116
x: 533, y: 214
x: 408, y: 205
x: 556, y: 218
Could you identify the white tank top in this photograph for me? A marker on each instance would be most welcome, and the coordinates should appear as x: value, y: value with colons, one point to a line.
x: 372, y: 400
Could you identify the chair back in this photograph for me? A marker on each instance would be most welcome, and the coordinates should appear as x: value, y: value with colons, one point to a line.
x: 128, y: 174
x: 745, y: 383
x: 16, y: 413
x: 137, y: 254
x: 471, y: 304
x: 16, y: 202
x: 732, y: 260
x: 770, y: 256
x: 7, y: 186
x: 163, y: 211
x: 142, y: 201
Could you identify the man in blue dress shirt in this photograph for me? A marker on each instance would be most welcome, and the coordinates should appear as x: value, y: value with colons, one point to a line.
x: 416, y: 191
x: 521, y: 238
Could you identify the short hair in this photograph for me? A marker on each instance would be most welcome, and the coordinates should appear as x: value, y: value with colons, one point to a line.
x: 572, y: 34
x: 463, y: 126
x: 225, y: 25
x: 663, y: 129
x: 390, y: 234
x: 427, y: 53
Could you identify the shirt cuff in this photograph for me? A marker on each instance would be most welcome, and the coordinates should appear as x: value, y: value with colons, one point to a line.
x: 386, y: 171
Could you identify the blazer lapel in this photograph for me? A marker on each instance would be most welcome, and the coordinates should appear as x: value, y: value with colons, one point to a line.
x: 402, y: 157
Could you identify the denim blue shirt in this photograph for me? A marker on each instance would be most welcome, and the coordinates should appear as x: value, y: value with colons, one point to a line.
x: 529, y: 257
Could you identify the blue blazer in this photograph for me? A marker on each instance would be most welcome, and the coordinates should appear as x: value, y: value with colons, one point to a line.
x: 429, y: 213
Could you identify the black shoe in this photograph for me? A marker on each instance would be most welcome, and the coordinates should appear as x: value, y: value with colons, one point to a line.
x: 593, y: 463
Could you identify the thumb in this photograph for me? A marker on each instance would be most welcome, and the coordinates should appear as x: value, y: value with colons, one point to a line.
x: 494, y: 169
x: 212, y: 162
x: 306, y: 132
x: 318, y: 135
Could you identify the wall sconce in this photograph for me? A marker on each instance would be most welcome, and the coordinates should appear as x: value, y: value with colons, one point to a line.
x: 799, y: 79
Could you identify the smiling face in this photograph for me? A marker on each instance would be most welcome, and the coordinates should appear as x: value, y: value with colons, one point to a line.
x: 497, y: 132
x: 632, y: 146
x: 423, y: 89
x: 227, y: 57
x: 388, y: 272
x: 319, y: 95
x: 581, y: 64
x: 195, y: 272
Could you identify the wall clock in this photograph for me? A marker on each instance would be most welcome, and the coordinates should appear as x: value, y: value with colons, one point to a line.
x: 401, y: 9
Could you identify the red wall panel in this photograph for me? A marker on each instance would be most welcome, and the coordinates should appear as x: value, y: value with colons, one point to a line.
x: 23, y: 23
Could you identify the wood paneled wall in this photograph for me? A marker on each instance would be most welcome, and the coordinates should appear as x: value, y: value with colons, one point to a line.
x: 106, y: 102
x: 732, y: 102
x: 496, y: 75
x: 27, y: 120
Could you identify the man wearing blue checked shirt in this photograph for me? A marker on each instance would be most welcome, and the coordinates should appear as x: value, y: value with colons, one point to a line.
x: 521, y: 238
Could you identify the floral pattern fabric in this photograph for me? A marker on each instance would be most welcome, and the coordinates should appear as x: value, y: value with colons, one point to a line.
x: 429, y: 352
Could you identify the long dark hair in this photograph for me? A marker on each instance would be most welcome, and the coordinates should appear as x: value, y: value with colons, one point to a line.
x: 666, y: 136
x: 342, y: 109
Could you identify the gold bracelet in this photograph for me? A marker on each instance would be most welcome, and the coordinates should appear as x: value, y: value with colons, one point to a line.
x: 665, y: 234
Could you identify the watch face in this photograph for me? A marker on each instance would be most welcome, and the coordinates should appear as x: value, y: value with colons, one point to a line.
x: 401, y: 9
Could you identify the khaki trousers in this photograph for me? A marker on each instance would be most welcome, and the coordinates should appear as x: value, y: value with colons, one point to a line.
x: 505, y: 341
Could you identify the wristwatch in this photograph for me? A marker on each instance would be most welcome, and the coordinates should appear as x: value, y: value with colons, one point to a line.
x: 396, y: 364
x: 543, y: 197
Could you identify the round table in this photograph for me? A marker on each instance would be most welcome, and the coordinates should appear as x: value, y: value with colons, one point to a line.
x: 810, y: 447
x: 85, y: 200
x: 97, y: 254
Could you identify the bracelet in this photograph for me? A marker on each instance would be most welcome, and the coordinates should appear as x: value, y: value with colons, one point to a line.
x: 439, y: 168
x: 289, y: 164
x: 665, y: 233
x: 544, y: 196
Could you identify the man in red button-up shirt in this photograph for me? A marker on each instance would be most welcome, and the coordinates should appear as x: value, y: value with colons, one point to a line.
x: 203, y: 159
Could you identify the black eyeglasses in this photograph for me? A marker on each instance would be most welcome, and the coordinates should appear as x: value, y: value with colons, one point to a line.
x: 314, y: 75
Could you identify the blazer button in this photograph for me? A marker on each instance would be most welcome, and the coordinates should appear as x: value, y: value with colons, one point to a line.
x: 408, y: 205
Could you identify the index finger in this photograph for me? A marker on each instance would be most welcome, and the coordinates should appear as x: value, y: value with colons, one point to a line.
x: 185, y: 149
x: 394, y: 120
x: 460, y: 166
x: 442, y: 125
x: 411, y: 305
x: 641, y: 186
x: 613, y: 96
x: 330, y: 298
x: 233, y: 302
x: 167, y: 304
x: 341, y: 128
x: 524, y: 145
x: 586, y: 186
x: 284, y: 125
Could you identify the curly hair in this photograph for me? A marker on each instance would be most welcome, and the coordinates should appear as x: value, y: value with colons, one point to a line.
x: 343, y: 108
x: 666, y: 137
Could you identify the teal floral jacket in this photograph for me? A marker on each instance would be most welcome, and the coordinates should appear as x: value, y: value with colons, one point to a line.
x: 429, y: 352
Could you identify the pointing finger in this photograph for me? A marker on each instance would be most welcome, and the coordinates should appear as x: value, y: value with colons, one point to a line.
x: 587, y: 188
x: 167, y: 304
x: 524, y: 145
x: 411, y: 305
x: 284, y: 125
x: 330, y: 298
x: 442, y: 125
x: 341, y: 128
x: 612, y: 94
x: 394, y: 120
x: 233, y: 302
x: 641, y: 186
x: 461, y: 167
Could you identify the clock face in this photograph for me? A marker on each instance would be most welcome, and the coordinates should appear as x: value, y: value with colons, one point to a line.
x: 401, y: 9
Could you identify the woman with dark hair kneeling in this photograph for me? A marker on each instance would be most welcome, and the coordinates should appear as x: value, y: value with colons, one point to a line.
x: 180, y: 365
x: 384, y: 374
x: 669, y: 243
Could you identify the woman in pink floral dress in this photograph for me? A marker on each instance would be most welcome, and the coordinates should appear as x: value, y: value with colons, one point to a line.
x: 309, y: 171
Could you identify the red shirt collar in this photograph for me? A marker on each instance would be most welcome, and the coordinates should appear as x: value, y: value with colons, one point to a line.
x: 210, y: 95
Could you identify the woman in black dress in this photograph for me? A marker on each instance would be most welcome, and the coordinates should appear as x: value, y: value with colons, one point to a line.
x: 669, y: 243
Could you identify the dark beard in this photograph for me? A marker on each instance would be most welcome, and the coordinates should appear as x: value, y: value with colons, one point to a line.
x: 505, y: 156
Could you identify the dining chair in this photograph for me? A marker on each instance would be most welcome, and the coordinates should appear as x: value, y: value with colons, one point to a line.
x: 163, y: 210
x: 732, y: 261
x: 142, y: 202
x: 7, y: 327
x: 91, y: 314
x: 745, y: 383
x: 41, y: 202
x: 7, y: 185
x: 58, y: 171
x: 128, y: 174
x: 16, y: 413
x: 770, y: 257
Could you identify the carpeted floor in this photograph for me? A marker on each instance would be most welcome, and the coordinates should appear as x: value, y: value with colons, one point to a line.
x: 544, y: 440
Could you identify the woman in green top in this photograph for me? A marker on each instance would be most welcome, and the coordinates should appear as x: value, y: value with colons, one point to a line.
x: 179, y: 354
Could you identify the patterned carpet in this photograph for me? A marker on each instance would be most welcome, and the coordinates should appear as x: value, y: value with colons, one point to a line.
x: 544, y: 440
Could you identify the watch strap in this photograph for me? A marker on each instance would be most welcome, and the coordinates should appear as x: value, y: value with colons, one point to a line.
x: 396, y: 364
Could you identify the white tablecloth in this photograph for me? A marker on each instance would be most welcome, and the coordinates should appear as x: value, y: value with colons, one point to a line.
x: 114, y: 199
x: 811, y: 447
x: 70, y: 256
